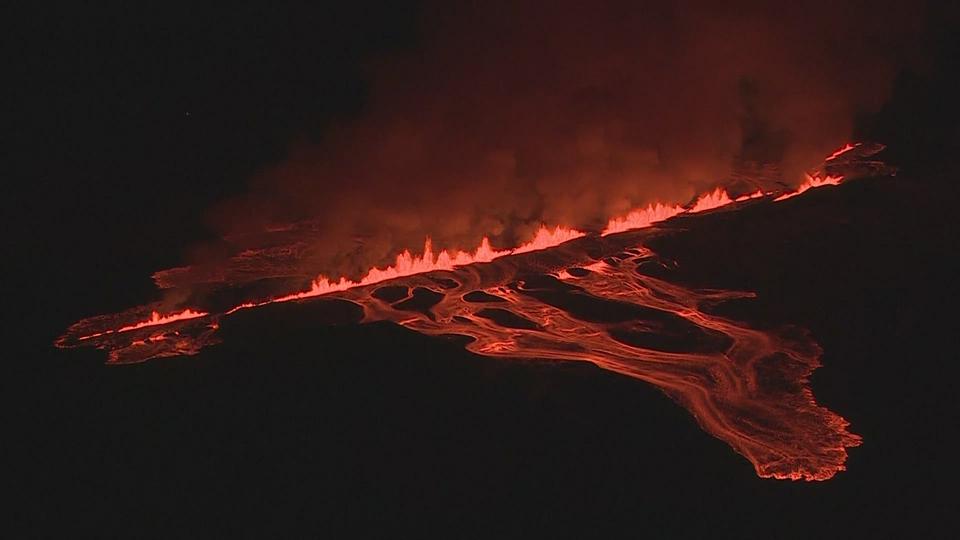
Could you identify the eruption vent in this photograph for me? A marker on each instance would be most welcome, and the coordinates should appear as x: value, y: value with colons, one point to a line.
x: 571, y: 295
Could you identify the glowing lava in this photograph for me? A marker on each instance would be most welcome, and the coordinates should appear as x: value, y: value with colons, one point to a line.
x: 745, y: 386
x: 644, y: 217
x: 846, y: 148
x: 810, y: 183
x: 655, y: 213
x: 156, y: 319
x: 589, y: 299
x: 408, y: 264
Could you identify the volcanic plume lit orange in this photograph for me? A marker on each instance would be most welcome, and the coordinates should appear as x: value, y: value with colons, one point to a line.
x: 408, y: 264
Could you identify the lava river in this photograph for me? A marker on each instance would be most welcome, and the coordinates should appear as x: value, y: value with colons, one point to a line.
x: 744, y: 386
x: 597, y: 298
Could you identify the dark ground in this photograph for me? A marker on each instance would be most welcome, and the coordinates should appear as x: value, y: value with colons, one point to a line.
x: 293, y: 428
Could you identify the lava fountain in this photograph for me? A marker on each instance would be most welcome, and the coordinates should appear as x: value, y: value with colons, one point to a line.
x: 571, y: 295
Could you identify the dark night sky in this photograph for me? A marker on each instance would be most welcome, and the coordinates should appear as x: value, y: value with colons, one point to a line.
x: 130, y: 123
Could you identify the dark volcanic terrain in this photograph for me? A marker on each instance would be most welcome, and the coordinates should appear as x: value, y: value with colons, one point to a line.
x: 297, y: 423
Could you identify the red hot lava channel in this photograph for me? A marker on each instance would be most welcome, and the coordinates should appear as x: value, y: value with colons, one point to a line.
x: 745, y: 386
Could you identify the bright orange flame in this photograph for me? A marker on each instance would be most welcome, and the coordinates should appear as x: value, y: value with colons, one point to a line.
x: 810, y: 183
x: 755, y: 195
x: 645, y: 217
x: 545, y: 238
x: 641, y: 218
x: 723, y: 382
x: 709, y: 201
x: 846, y: 148
x: 408, y: 264
x: 155, y: 319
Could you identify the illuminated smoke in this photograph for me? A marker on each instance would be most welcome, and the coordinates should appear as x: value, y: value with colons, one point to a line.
x: 575, y: 307
x: 512, y: 114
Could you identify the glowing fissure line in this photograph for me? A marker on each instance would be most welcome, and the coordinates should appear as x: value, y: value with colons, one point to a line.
x: 810, y: 183
x: 718, y: 369
x: 655, y: 213
x: 846, y: 148
x: 156, y: 319
x: 408, y: 264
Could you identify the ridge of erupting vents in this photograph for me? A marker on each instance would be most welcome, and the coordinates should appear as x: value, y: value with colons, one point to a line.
x: 745, y: 386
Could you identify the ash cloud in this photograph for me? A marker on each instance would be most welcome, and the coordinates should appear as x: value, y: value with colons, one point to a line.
x: 515, y: 113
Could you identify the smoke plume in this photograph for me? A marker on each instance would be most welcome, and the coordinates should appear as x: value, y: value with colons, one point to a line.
x: 511, y: 114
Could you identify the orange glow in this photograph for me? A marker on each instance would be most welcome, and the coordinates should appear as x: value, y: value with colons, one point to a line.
x: 709, y: 201
x: 718, y: 369
x: 711, y: 365
x: 148, y: 339
x: 846, y: 148
x: 641, y: 218
x: 810, y: 183
x: 645, y: 217
x: 408, y: 264
x: 545, y: 238
x: 156, y: 319
x: 755, y: 195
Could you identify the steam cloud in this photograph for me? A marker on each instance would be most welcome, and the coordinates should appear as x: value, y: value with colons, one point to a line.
x: 515, y: 113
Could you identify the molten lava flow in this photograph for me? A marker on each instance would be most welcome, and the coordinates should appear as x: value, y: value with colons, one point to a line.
x: 745, y: 386
x: 654, y: 213
x: 595, y: 303
x: 545, y: 238
x: 755, y: 195
x: 846, y: 148
x: 156, y: 319
x: 644, y: 217
x: 810, y: 183
x: 714, y: 199
x: 408, y: 264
